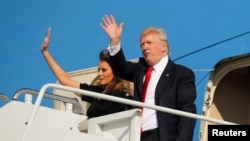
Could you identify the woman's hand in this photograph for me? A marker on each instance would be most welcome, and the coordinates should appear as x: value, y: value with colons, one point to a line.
x: 45, y: 44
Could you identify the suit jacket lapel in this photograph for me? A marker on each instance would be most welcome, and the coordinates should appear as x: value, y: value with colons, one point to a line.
x: 140, y: 75
x: 162, y: 84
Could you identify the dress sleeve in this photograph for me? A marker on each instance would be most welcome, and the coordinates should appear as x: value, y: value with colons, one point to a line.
x: 85, y: 86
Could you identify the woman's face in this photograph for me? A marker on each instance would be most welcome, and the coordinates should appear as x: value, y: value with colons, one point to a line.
x: 105, y: 73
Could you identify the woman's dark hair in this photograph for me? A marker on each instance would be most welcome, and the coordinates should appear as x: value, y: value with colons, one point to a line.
x: 104, y: 53
x: 116, y: 83
x: 104, y: 56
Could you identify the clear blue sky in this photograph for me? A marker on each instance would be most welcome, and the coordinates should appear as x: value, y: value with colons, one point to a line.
x: 77, y: 37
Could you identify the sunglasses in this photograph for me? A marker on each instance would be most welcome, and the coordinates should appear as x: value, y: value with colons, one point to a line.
x: 104, y: 53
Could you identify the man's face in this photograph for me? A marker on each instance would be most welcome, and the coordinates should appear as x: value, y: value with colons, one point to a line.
x: 152, y: 48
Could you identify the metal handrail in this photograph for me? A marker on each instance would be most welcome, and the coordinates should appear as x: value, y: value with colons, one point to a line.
x: 119, y: 100
x: 77, y: 107
x: 4, y: 97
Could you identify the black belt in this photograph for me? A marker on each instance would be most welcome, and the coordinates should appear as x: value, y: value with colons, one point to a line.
x: 147, y: 132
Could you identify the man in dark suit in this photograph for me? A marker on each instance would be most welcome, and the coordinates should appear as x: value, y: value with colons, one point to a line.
x: 171, y: 85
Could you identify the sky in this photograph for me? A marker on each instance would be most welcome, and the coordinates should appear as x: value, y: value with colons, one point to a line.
x: 77, y: 37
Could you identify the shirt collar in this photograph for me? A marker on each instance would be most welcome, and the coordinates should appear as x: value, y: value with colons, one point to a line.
x: 159, y: 67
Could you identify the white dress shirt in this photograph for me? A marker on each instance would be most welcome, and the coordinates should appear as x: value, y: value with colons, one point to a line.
x: 149, y: 119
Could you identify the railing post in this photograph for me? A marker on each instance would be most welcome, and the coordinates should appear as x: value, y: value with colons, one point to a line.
x: 69, y: 107
x: 28, y: 98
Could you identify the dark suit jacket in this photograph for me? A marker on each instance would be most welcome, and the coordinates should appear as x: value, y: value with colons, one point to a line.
x: 175, y: 89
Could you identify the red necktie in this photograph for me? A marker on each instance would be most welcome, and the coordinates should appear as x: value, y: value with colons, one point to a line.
x: 145, y: 84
